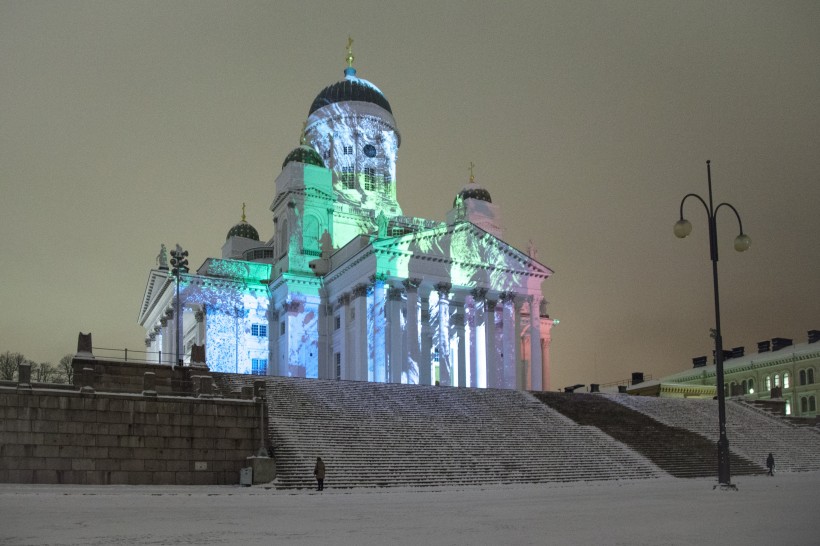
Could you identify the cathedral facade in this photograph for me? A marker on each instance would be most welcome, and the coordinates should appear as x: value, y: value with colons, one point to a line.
x: 348, y: 287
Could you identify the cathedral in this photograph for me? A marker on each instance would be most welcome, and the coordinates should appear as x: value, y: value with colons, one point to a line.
x: 350, y: 288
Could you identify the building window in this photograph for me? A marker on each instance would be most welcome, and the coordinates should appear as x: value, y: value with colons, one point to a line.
x: 812, y: 403
x: 369, y: 178
x: 768, y: 383
x: 802, y: 377
x: 785, y: 380
x: 810, y: 376
x: 282, y: 328
x: 788, y: 407
x: 259, y: 366
x: 347, y: 150
x: 777, y: 380
x: 751, y: 386
x: 259, y: 330
x: 337, y: 322
x: 338, y: 359
x: 347, y: 178
x: 745, y: 386
x: 387, y: 180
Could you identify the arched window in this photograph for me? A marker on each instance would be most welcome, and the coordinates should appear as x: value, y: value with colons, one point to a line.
x: 802, y: 377
x: 788, y: 407
x: 745, y: 386
x: 810, y: 375
x: 812, y: 403
x: 785, y: 380
x: 768, y: 382
x: 804, y: 404
x: 751, y: 386
x: 777, y: 380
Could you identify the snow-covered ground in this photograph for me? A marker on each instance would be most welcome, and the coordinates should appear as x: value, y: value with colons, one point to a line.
x: 764, y: 510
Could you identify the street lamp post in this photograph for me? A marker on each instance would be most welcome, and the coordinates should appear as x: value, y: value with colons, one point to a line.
x: 179, y: 261
x: 742, y: 242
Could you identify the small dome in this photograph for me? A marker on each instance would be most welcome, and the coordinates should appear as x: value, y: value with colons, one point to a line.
x: 472, y: 191
x: 243, y: 229
x: 350, y: 89
x: 304, y: 154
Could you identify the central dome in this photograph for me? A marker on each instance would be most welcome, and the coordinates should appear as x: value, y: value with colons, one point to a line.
x: 350, y: 89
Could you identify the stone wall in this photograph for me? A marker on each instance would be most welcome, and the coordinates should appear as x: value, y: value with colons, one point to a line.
x: 85, y: 437
x: 118, y: 376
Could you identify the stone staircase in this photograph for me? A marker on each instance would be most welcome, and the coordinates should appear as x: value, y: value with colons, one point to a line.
x: 679, y: 451
x: 752, y: 432
x: 380, y: 435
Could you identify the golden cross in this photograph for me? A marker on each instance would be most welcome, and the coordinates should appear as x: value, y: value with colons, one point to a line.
x: 243, y: 212
x: 349, y: 51
x: 472, y: 177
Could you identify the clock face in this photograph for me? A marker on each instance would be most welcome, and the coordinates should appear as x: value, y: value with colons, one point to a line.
x: 370, y: 150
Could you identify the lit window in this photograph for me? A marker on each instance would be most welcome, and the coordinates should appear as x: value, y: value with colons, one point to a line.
x: 369, y: 178
x: 786, y: 380
x: 347, y: 178
x: 777, y: 380
x: 768, y: 383
x: 752, y: 386
x: 259, y: 330
x: 788, y: 407
x: 259, y: 366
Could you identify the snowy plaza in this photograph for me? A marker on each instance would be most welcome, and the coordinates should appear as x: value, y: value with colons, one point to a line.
x: 763, y: 510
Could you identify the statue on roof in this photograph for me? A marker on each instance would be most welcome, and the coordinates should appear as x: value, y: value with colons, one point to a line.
x: 162, y: 257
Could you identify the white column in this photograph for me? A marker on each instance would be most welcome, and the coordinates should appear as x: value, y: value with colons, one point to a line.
x: 425, y: 376
x: 395, y: 335
x: 411, y: 365
x: 343, y: 347
x: 522, y: 373
x: 508, y: 347
x: 536, y: 370
x: 478, y: 353
x: 378, y: 351
x: 458, y: 321
x: 325, y: 332
x: 546, y: 339
x: 443, y: 333
x: 359, y: 334
x: 494, y: 381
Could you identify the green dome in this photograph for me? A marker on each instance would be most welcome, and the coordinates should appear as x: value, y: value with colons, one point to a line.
x: 304, y: 154
x: 472, y: 191
x: 243, y: 229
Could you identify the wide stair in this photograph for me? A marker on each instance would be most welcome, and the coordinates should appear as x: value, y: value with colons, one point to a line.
x: 380, y: 435
x: 752, y: 432
x: 677, y: 450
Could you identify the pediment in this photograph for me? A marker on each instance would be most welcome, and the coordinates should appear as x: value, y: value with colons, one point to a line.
x: 464, y: 253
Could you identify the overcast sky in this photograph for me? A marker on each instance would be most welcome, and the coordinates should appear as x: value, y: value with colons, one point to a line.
x: 124, y: 125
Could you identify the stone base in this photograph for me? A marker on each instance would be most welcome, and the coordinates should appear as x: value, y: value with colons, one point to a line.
x: 264, y: 469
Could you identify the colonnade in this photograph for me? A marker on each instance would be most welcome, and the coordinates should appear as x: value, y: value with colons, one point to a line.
x: 415, y: 331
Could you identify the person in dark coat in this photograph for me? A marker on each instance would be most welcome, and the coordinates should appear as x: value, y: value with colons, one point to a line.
x: 770, y: 464
x: 319, y: 472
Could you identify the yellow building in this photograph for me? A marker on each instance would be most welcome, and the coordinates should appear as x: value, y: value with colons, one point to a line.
x: 779, y: 370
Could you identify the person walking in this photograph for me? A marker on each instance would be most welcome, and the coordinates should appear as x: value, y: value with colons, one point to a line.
x: 770, y: 464
x: 319, y: 472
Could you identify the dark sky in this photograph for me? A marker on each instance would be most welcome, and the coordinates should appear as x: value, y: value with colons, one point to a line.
x: 124, y: 125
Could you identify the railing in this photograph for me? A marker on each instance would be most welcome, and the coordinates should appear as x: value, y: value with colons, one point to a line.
x: 627, y: 382
x: 131, y: 355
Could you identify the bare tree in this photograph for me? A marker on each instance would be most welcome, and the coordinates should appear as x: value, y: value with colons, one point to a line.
x: 66, y: 369
x: 9, y: 362
x: 46, y: 372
